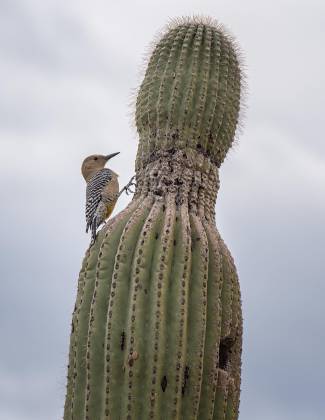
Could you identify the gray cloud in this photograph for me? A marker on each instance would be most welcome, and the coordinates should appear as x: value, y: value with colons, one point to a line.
x: 67, y: 70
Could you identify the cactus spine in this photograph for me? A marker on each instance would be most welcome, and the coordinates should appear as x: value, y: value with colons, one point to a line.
x: 157, y: 325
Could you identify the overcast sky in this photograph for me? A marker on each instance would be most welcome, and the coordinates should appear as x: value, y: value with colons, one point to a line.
x: 67, y: 72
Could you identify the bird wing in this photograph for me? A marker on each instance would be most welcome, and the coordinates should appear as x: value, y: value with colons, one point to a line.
x: 94, y: 191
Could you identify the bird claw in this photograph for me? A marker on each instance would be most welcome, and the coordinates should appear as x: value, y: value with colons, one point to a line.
x: 128, y: 190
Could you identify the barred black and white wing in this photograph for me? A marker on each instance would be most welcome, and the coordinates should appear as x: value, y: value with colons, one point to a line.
x: 94, y: 191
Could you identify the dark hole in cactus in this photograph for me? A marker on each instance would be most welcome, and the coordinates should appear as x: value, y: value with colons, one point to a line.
x: 198, y: 146
x: 164, y: 207
x: 122, y: 341
x: 185, y: 378
x: 164, y: 383
x: 157, y: 236
x: 225, y: 352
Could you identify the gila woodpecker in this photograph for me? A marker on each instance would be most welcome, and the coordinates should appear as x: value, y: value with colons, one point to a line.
x: 102, y: 191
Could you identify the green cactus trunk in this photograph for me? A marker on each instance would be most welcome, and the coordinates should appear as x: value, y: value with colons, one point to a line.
x: 157, y: 325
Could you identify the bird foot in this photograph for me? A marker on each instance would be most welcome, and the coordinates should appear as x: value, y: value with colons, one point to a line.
x: 128, y: 186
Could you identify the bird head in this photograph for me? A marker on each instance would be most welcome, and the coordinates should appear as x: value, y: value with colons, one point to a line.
x: 94, y: 163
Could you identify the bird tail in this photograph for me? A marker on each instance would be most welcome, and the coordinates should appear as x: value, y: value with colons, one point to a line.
x: 94, y: 225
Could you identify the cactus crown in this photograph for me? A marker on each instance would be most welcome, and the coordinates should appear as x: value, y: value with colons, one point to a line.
x: 190, y: 95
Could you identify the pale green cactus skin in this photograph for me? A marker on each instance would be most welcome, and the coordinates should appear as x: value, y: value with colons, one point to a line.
x: 157, y: 325
x: 190, y: 95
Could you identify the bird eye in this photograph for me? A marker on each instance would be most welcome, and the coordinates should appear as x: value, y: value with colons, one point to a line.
x: 95, y: 158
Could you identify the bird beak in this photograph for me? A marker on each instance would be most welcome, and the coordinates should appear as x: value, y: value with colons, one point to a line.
x: 108, y: 157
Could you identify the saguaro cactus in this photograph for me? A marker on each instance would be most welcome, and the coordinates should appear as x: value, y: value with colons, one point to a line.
x: 157, y: 325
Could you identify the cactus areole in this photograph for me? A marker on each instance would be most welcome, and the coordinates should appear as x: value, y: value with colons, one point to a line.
x: 157, y: 324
